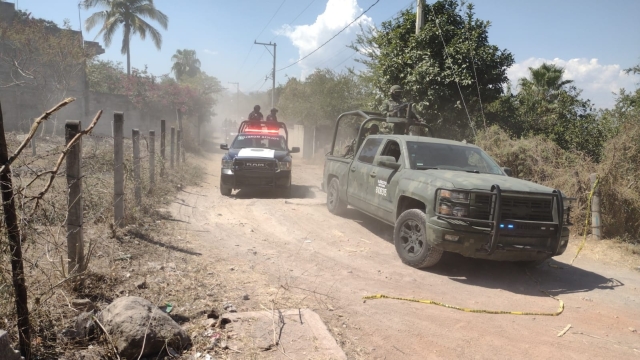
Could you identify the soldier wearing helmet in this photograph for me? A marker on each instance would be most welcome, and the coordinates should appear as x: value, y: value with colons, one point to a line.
x: 256, y: 114
x: 396, y: 107
x: 392, y: 106
x: 273, y: 116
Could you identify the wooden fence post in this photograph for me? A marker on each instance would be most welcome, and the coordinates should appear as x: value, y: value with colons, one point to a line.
x: 118, y: 168
x: 135, y: 135
x: 173, y: 145
x: 596, y: 221
x: 75, y: 239
x: 15, y: 247
x: 178, y: 147
x: 152, y: 158
x: 163, y: 134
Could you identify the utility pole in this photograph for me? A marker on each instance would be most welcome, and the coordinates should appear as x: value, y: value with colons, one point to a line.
x: 237, y: 98
x: 419, y: 16
x: 273, y: 74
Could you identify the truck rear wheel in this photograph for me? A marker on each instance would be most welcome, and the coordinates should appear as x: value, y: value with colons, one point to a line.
x: 410, y: 238
x: 335, y: 205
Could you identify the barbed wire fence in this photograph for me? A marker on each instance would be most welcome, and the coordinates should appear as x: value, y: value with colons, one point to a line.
x: 59, y: 246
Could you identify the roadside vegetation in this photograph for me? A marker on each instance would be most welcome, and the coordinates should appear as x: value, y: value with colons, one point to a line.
x: 543, y: 129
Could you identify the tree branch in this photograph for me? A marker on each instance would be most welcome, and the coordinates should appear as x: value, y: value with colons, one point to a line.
x: 34, y: 129
x: 53, y: 173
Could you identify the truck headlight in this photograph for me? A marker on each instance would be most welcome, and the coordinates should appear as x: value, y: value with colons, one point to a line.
x: 227, y: 164
x: 453, y: 210
x: 453, y: 203
x: 284, y: 165
x: 455, y: 196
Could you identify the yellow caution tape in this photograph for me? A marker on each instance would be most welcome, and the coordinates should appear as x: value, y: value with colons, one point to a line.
x: 586, y: 222
x: 481, y: 311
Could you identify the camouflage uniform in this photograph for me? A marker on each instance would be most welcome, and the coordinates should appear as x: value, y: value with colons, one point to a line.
x: 393, y: 108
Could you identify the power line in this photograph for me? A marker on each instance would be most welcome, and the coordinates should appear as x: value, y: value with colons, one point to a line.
x: 446, y: 53
x: 251, y: 48
x: 345, y: 60
x: 274, y: 15
x: 296, y: 18
x: 333, y: 37
x: 355, y: 52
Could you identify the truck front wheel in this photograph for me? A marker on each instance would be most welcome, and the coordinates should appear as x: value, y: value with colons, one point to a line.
x: 410, y: 238
x: 225, y: 190
x: 335, y: 205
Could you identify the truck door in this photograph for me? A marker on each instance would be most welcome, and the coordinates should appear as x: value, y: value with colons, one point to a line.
x: 383, y: 182
x: 359, y: 172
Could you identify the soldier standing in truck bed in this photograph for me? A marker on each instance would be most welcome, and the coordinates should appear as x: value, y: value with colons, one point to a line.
x: 273, y: 116
x: 396, y: 108
x: 256, y: 114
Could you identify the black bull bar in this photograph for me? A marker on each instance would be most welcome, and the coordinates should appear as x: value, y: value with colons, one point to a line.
x: 495, y: 217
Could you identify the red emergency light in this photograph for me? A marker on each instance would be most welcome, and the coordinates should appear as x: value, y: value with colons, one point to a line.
x: 261, y: 130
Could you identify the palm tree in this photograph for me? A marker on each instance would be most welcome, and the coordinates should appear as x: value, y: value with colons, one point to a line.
x: 129, y: 14
x: 544, y: 81
x: 185, y: 62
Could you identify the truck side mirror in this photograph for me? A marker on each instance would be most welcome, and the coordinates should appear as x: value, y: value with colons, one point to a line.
x: 507, y: 171
x: 388, y: 162
x: 295, y: 150
x: 224, y: 147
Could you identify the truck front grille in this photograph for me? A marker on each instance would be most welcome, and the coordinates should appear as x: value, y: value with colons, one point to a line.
x: 256, y: 165
x: 513, y: 208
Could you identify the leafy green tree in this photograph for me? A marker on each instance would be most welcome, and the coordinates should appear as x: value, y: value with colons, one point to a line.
x: 545, y: 81
x: 321, y: 97
x: 131, y: 15
x: 448, y: 70
x: 550, y: 106
x: 105, y: 76
x: 185, y: 63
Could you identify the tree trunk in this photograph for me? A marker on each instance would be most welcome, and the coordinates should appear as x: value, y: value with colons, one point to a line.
x: 127, y: 36
x: 128, y: 59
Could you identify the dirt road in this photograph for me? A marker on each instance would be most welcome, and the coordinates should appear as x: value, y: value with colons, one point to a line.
x: 293, y: 253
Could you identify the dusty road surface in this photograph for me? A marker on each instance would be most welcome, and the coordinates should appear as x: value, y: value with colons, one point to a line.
x: 292, y: 253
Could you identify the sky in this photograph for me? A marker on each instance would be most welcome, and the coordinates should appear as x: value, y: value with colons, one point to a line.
x: 593, y: 40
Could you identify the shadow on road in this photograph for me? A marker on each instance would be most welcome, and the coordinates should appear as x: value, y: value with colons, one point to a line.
x: 149, y: 239
x: 555, y: 277
x: 378, y: 228
x: 297, y: 192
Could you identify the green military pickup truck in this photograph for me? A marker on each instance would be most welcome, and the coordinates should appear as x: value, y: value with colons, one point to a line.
x: 443, y: 195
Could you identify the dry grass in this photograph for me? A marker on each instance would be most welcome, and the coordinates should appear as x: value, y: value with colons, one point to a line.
x: 542, y: 161
x: 118, y: 258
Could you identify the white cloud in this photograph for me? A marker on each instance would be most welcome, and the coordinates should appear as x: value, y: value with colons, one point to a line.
x: 210, y: 52
x: 306, y: 38
x: 597, y: 80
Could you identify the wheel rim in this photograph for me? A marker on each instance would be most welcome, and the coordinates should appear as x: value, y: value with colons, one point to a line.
x: 412, y: 238
x: 333, y: 195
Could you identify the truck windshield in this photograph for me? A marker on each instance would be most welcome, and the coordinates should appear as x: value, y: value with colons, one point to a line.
x: 426, y: 156
x: 273, y: 142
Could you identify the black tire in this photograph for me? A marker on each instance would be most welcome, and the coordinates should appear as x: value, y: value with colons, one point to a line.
x: 225, y: 190
x: 410, y: 238
x: 286, y: 191
x: 335, y: 204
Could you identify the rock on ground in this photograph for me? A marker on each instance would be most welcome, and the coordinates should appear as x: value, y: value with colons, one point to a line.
x: 129, y: 320
x: 6, y: 351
